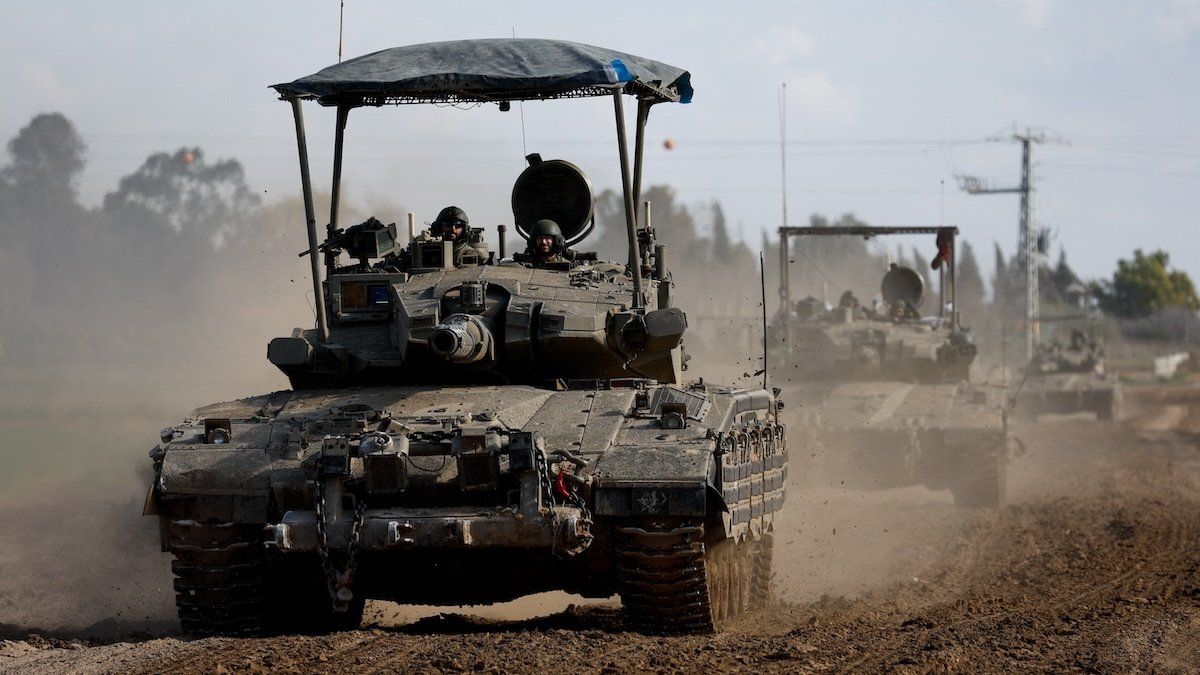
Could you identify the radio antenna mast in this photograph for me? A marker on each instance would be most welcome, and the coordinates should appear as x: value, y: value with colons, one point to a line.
x: 341, y: 23
x: 783, y: 148
x: 521, y: 109
x: 762, y: 279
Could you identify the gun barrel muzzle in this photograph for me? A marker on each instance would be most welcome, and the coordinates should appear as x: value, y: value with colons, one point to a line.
x: 461, y: 338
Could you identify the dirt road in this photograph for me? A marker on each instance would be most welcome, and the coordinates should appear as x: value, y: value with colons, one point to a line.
x: 1094, y: 567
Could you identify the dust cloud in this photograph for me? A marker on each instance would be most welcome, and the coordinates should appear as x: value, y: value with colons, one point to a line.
x: 117, y: 320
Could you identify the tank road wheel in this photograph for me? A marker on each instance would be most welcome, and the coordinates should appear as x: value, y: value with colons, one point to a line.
x: 717, y: 574
x: 762, y: 552
x: 984, y: 486
x: 219, y: 577
x: 740, y: 567
x: 665, y: 578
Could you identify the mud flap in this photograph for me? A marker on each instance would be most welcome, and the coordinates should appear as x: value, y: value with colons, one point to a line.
x: 151, y: 507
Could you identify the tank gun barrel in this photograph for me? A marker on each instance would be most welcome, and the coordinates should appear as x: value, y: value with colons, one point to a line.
x: 462, y: 338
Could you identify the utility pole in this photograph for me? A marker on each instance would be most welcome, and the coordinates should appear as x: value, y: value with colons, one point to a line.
x: 1027, y: 240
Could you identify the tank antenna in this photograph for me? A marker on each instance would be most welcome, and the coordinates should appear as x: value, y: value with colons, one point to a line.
x: 762, y: 279
x: 783, y: 149
x: 341, y: 23
x: 521, y: 109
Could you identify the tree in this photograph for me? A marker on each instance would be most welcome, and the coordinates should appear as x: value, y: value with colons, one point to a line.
x: 182, y: 191
x: 47, y: 154
x: 47, y: 157
x: 721, y: 243
x: 1001, y: 280
x: 970, y: 283
x: 1144, y: 285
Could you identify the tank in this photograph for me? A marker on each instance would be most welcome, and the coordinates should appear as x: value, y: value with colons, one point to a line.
x: 884, y: 392
x: 1065, y: 379
x: 465, y: 428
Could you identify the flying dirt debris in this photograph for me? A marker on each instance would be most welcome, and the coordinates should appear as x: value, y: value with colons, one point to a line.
x: 466, y: 427
x: 884, y: 392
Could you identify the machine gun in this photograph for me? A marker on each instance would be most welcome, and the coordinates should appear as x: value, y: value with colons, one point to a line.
x: 369, y: 240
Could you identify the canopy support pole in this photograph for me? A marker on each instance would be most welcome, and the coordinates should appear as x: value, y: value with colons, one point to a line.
x: 639, y: 143
x: 335, y: 192
x: 635, y: 264
x: 954, y: 315
x: 311, y: 219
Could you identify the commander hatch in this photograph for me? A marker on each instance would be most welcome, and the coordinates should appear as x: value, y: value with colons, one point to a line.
x: 557, y: 190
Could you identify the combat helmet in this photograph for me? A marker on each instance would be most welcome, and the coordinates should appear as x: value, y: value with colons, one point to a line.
x: 451, y: 215
x: 547, y: 228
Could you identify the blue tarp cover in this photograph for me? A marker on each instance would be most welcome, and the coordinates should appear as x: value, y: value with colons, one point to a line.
x: 489, y: 70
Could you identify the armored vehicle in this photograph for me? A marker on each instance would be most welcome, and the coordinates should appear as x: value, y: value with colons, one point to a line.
x: 886, y: 398
x: 1070, y: 378
x: 467, y: 428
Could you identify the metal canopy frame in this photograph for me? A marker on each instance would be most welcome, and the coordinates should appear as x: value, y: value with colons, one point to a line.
x: 869, y: 232
x: 631, y: 177
x: 640, y: 89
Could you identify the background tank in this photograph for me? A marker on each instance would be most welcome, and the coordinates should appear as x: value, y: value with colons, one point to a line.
x: 1071, y: 378
x: 467, y: 429
x: 884, y: 393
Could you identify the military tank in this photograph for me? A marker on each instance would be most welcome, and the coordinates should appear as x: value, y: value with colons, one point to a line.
x: 1065, y: 379
x: 884, y: 393
x: 466, y: 428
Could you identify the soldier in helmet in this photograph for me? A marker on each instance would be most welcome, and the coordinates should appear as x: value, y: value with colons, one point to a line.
x: 453, y: 225
x: 546, y: 244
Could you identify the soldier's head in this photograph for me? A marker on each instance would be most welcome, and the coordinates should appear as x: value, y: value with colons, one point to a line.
x: 451, y: 223
x: 546, y: 239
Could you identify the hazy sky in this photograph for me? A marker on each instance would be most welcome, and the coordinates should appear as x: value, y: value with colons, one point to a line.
x: 886, y: 101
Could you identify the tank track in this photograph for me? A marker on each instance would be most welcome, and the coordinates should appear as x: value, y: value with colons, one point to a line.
x: 225, y: 584
x: 671, y: 582
x: 662, y: 577
x: 219, y: 577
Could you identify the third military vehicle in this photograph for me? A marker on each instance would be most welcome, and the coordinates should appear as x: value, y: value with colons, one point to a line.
x: 1069, y: 378
x: 465, y: 427
x: 883, y: 393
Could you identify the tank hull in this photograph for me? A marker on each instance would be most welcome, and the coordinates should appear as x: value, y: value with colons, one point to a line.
x: 1068, y: 393
x: 497, y: 513
x: 882, y: 435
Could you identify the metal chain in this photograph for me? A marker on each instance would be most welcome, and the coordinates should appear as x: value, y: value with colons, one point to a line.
x: 543, y: 475
x: 322, y: 537
x: 360, y: 511
x: 336, y: 579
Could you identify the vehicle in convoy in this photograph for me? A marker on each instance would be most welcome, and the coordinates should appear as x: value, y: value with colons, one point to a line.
x: 1064, y: 379
x: 883, y: 393
x: 466, y: 428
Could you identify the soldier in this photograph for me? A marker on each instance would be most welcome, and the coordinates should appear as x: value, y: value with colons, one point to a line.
x: 452, y: 224
x: 546, y: 244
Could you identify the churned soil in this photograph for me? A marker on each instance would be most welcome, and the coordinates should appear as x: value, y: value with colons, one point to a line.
x: 1094, y: 567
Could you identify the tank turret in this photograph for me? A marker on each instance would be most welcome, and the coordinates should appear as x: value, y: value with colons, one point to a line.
x: 425, y: 314
x: 890, y: 340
